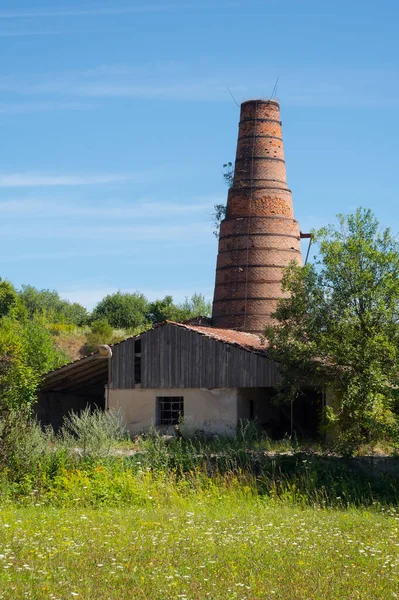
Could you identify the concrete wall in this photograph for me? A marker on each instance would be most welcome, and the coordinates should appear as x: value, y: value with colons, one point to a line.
x: 213, y: 411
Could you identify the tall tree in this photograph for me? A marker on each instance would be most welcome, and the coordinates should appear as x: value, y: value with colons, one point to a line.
x: 122, y: 310
x: 338, y: 325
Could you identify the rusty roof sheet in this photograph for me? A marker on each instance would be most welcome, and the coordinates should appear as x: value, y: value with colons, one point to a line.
x: 247, y: 341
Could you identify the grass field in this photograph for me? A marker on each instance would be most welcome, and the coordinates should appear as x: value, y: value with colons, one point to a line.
x: 190, y: 519
x: 202, y: 546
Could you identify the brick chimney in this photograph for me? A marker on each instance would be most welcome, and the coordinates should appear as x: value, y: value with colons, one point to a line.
x: 259, y: 235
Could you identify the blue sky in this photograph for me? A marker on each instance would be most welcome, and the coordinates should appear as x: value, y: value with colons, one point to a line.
x: 115, y: 121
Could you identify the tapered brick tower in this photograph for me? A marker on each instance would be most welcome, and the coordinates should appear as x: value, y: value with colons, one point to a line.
x: 259, y: 235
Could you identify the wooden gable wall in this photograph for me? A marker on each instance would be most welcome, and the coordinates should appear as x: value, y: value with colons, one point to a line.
x: 174, y: 357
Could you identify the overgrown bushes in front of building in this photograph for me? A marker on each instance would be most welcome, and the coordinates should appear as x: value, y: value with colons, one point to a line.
x: 31, y: 457
x: 83, y: 465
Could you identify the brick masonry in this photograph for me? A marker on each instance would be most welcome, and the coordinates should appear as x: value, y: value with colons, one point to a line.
x: 259, y: 235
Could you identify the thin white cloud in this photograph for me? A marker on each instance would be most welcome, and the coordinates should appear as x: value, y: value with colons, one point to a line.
x: 19, y: 180
x: 81, y: 12
x: 50, y: 208
x: 302, y: 87
x: 195, y: 233
x: 169, y: 81
x: 26, y: 33
x: 99, y: 10
x: 59, y: 256
x: 35, y: 107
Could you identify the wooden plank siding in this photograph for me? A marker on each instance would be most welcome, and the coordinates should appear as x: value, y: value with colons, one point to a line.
x: 174, y: 357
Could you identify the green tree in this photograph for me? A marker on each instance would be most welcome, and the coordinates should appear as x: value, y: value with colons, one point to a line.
x: 164, y: 310
x: 122, y: 310
x: 39, y: 348
x: 167, y: 310
x: 27, y: 351
x: 9, y: 300
x: 339, y: 326
x: 49, y: 303
x: 18, y: 380
x: 197, y: 306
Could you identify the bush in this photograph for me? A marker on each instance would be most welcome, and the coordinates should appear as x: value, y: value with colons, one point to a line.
x: 62, y: 328
x: 102, y: 328
x: 23, y: 444
x: 94, y: 432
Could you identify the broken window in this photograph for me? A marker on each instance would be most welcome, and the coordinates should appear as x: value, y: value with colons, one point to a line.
x: 170, y: 410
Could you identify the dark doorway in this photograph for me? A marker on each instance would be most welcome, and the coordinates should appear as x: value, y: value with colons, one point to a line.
x: 301, y: 419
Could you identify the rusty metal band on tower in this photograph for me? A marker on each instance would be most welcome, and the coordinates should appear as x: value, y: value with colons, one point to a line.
x: 259, y: 236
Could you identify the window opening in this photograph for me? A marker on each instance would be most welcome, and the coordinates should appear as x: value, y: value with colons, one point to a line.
x: 137, y: 361
x: 170, y: 410
x: 251, y: 410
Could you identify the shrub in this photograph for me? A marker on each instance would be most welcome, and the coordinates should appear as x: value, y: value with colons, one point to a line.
x: 102, y: 328
x: 23, y: 443
x: 94, y: 432
x: 62, y: 328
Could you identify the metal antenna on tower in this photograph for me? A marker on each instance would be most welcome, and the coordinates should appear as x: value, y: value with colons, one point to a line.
x: 231, y: 94
x: 274, y: 92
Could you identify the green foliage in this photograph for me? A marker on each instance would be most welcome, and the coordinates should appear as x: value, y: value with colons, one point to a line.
x: 219, y: 213
x: 27, y: 350
x: 196, y: 306
x: 339, y: 326
x: 101, y: 333
x: 10, y: 304
x: 94, y: 432
x: 40, y: 351
x: 23, y: 444
x: 50, y: 304
x: 122, y: 310
x: 59, y: 329
x: 219, y: 210
x: 228, y: 173
x: 167, y: 310
x: 18, y: 380
x: 102, y: 328
x: 163, y: 310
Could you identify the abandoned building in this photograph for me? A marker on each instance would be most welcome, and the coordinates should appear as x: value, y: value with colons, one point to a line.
x: 210, y: 373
